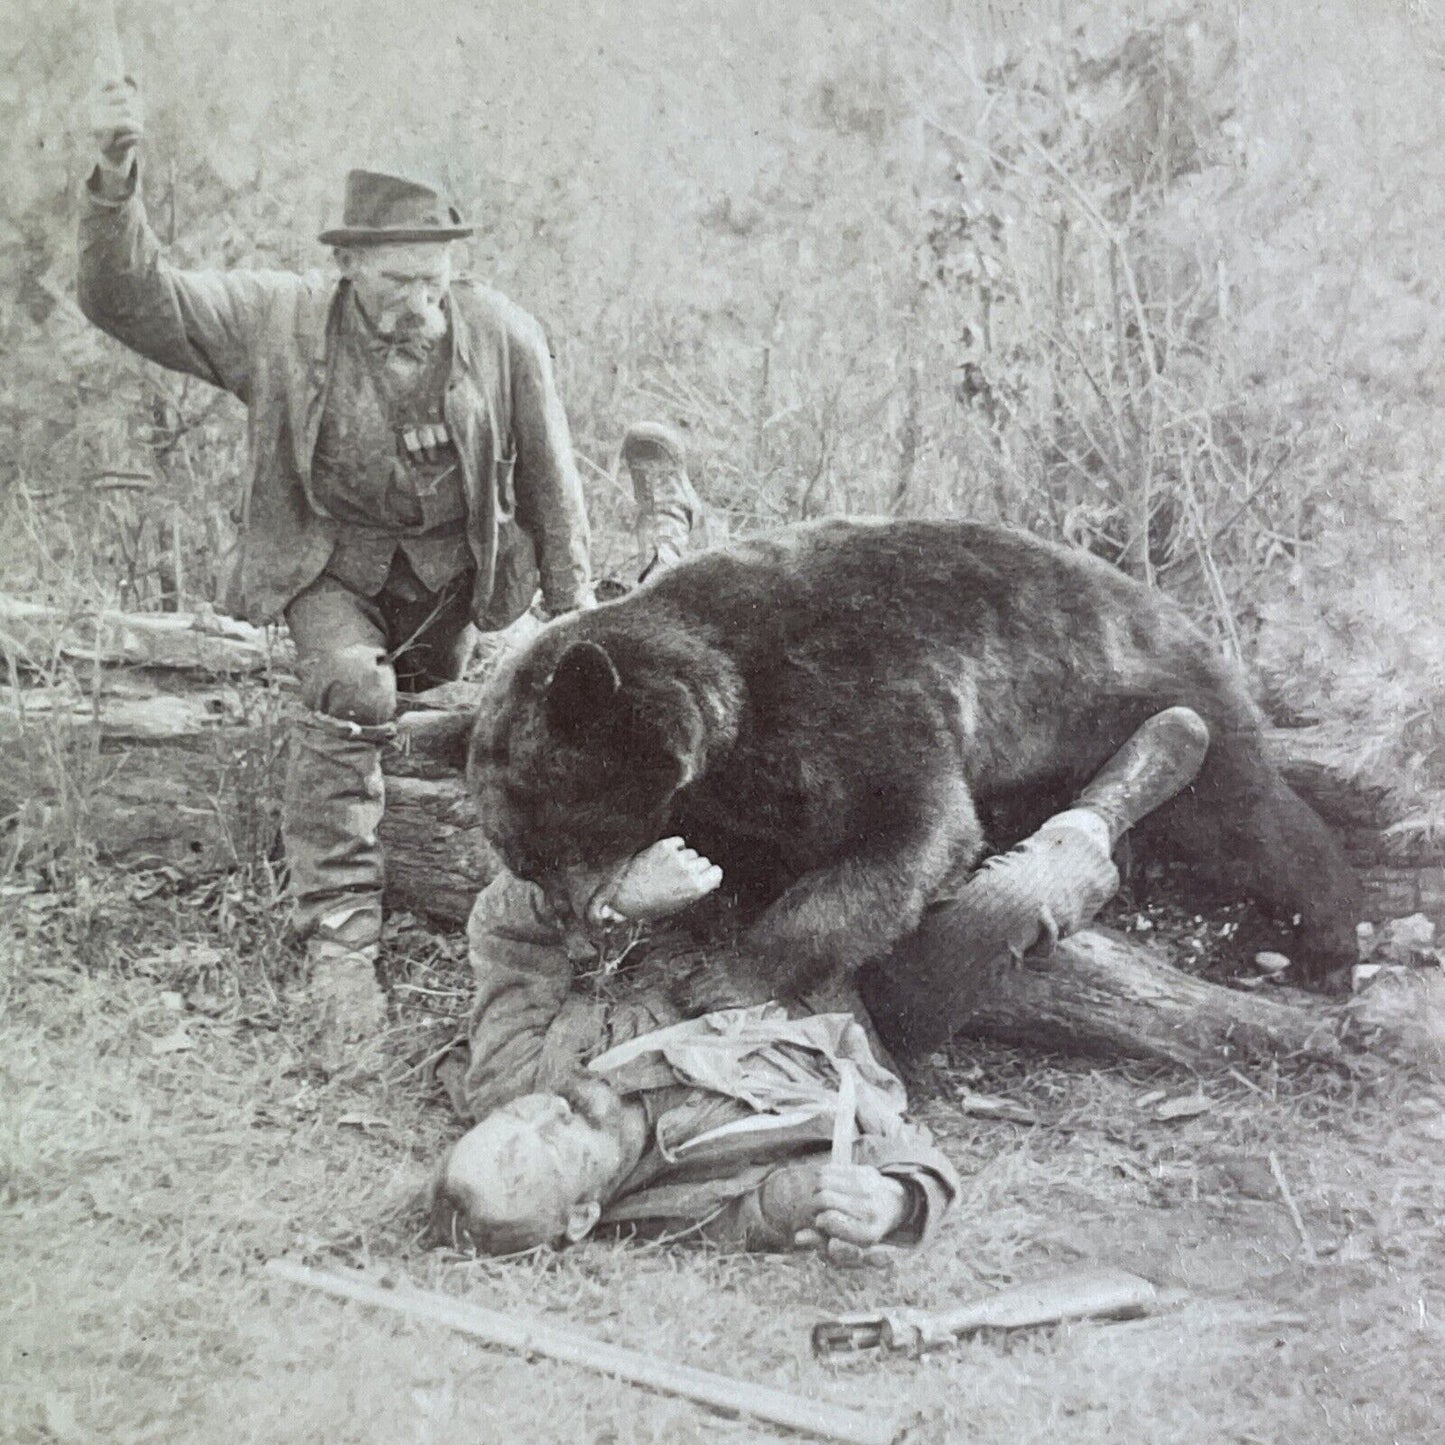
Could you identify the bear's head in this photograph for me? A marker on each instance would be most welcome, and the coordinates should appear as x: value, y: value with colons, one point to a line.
x: 581, y: 746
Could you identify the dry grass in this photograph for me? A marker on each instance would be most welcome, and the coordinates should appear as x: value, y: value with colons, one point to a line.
x: 722, y: 222
x: 143, y: 1187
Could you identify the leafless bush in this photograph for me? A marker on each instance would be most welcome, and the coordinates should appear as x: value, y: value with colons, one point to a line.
x: 1164, y: 283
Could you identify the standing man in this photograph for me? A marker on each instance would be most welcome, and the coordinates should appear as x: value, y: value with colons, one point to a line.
x: 411, y: 475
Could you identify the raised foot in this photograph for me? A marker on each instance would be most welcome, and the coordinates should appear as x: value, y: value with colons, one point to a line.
x: 653, y: 442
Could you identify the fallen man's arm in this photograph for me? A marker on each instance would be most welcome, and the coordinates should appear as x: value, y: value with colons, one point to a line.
x: 531, y: 1024
x: 741, y: 1106
x: 519, y: 959
x: 771, y: 1215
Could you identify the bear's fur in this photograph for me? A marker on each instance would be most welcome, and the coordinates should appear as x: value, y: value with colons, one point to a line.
x: 840, y: 713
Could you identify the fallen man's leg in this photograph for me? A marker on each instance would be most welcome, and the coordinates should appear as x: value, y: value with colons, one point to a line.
x: 1010, y: 957
x: 1024, y: 901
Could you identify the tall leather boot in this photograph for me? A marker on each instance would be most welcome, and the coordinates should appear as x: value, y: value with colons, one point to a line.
x: 1053, y: 883
x: 669, y: 516
x: 331, y: 812
x: 1023, y: 901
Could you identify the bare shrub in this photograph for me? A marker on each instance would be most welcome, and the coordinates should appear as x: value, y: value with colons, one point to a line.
x: 1162, y: 281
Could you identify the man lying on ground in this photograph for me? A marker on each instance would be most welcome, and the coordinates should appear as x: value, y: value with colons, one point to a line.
x: 655, y: 1135
x: 721, y: 1127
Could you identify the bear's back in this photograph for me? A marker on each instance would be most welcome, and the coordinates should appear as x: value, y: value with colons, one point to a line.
x: 906, y: 591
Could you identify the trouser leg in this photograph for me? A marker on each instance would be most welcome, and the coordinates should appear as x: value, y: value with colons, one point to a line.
x: 355, y: 653
x: 331, y: 816
x: 1023, y: 901
x: 430, y: 633
x: 330, y: 824
x: 334, y: 793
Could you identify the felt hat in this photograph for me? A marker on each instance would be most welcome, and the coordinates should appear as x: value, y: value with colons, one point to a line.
x: 381, y: 209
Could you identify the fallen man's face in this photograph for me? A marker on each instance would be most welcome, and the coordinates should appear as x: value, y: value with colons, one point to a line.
x: 533, y: 1172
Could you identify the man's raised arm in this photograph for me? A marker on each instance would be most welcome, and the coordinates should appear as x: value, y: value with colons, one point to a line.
x: 204, y: 323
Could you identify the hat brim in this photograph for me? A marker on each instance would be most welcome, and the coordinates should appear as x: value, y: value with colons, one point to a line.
x: 392, y: 235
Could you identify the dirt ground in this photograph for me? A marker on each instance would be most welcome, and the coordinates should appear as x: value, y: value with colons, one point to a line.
x: 163, y: 1132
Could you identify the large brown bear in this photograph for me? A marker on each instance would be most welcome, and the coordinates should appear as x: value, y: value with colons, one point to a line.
x: 841, y: 714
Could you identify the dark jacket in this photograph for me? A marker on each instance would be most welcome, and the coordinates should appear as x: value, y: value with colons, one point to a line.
x: 262, y: 335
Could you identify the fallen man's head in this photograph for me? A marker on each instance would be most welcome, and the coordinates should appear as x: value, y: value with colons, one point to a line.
x: 536, y: 1171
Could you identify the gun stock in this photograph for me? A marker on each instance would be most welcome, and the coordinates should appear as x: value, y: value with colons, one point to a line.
x: 1110, y: 1294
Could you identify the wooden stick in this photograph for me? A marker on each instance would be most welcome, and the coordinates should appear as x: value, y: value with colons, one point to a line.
x: 533, y: 1337
x: 1295, y: 1216
x: 109, y: 56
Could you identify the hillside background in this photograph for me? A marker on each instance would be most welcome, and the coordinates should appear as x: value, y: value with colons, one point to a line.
x: 1162, y: 280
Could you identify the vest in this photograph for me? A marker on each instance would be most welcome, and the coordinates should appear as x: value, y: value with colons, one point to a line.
x: 384, y: 467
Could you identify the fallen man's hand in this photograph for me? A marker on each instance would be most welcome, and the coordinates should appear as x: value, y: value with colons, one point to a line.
x: 857, y: 1208
x: 660, y: 881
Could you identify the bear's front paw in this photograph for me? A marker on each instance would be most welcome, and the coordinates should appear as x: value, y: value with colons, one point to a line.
x: 715, y: 978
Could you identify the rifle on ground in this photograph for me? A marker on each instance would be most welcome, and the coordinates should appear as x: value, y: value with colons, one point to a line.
x: 1083, y: 1294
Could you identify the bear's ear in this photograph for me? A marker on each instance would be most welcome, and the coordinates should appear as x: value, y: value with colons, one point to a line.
x: 582, y: 689
x: 688, y: 738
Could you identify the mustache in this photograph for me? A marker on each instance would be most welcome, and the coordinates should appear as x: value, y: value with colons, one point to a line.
x: 430, y: 325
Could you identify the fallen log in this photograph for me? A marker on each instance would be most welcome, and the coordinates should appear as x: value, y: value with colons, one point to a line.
x: 436, y: 856
x: 37, y: 637
x: 176, y: 765
x: 190, y: 779
x: 1103, y: 994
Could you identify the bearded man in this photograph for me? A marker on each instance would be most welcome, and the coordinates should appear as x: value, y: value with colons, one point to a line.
x: 411, y: 475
